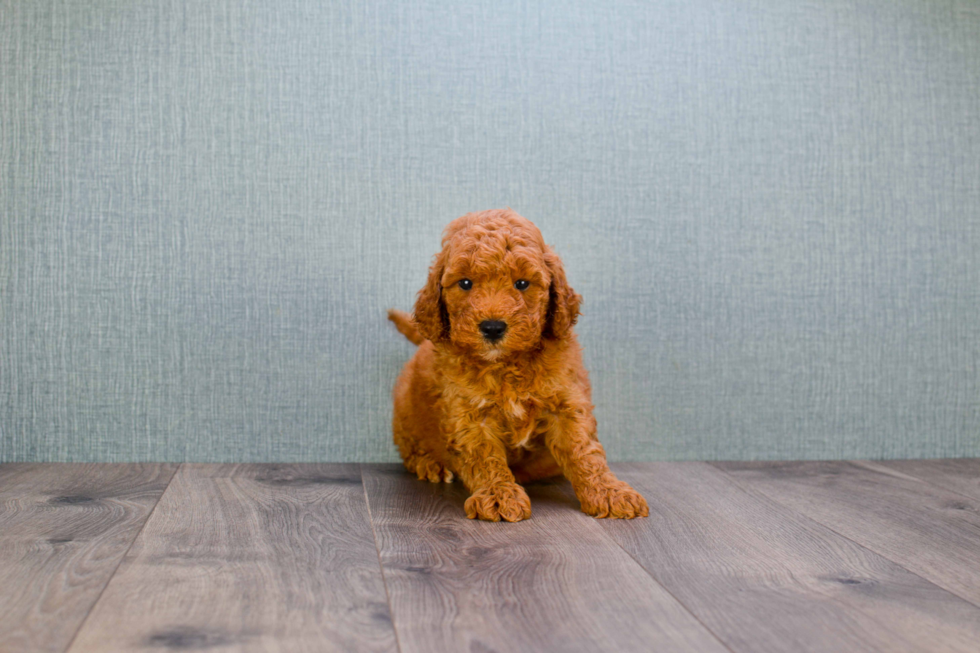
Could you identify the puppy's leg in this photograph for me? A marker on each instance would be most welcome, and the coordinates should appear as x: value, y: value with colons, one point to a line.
x: 574, y: 445
x: 415, y: 424
x: 418, y: 452
x: 480, y: 460
x: 427, y: 468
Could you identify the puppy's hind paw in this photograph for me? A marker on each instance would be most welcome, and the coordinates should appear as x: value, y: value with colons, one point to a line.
x: 616, y: 500
x: 429, y: 470
x: 507, y: 501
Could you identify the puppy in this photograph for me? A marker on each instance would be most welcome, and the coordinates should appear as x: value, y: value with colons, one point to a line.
x: 496, y: 394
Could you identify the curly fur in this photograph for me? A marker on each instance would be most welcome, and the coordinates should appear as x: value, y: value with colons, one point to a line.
x: 496, y: 414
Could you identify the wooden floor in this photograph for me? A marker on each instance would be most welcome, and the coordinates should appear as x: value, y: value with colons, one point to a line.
x: 839, y: 556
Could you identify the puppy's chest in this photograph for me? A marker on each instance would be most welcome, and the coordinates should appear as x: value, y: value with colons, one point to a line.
x: 523, y: 416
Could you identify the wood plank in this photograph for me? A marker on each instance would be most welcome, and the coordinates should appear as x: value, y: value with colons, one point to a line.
x: 764, y: 578
x: 960, y: 475
x: 928, y: 530
x: 63, y: 531
x: 552, y: 583
x: 249, y: 558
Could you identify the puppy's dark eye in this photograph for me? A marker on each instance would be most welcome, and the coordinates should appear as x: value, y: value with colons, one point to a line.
x: 465, y: 284
x: 522, y: 284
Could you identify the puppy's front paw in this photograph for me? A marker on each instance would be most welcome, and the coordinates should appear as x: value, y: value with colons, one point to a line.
x: 507, y: 501
x: 616, y: 500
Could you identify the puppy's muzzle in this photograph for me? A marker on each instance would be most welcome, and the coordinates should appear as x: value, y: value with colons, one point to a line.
x: 493, y: 330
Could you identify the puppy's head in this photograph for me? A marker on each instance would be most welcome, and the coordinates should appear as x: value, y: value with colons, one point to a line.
x: 495, y: 288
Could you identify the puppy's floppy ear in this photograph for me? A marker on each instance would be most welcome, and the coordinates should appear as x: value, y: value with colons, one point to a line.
x: 430, y: 314
x: 563, y: 302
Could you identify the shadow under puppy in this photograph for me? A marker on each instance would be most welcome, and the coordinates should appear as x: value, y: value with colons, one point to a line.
x: 497, y: 394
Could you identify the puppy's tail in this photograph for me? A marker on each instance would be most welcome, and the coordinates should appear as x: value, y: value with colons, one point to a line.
x: 405, y: 325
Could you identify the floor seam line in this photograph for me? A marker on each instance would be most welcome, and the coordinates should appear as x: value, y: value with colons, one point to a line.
x: 91, y: 609
x: 877, y: 468
x: 849, y: 539
x: 670, y: 594
x: 663, y: 587
x: 381, y: 567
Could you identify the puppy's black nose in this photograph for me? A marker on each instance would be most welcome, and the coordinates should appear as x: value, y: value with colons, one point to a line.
x: 493, y: 329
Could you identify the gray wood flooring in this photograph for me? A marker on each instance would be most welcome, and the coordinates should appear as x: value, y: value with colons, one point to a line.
x: 801, y: 556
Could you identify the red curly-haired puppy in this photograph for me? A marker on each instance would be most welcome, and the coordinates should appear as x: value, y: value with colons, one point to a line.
x: 496, y: 393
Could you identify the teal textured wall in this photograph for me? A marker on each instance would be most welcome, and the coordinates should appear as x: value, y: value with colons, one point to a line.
x: 772, y: 209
